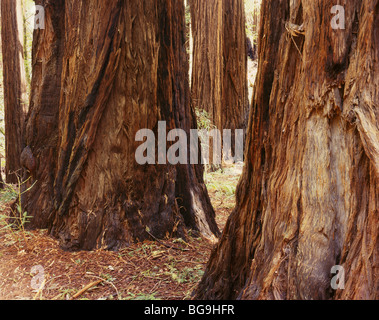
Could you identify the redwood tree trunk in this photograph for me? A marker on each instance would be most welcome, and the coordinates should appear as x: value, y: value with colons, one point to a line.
x: 233, y: 113
x: 122, y: 67
x: 219, y: 73
x: 207, y: 68
x: 41, y: 134
x: 15, y: 92
x: 309, y: 196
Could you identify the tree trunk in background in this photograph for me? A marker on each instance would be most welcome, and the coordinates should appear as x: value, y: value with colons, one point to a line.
x: 219, y: 73
x: 235, y: 93
x: 121, y: 67
x: 207, y: 69
x: 15, y: 90
x: 26, y: 34
x: 309, y: 196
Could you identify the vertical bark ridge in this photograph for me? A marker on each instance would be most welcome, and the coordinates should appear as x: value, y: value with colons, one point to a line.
x: 311, y: 162
x: 15, y: 85
x: 41, y: 133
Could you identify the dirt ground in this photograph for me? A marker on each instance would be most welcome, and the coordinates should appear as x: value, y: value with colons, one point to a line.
x: 38, y: 269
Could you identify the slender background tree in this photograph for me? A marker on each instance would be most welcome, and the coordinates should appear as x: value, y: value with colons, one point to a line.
x: 15, y: 85
x: 219, y: 72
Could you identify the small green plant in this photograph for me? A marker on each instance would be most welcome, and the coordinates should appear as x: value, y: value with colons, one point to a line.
x: 141, y: 296
x: 8, y: 194
x: 204, y: 121
x: 252, y: 16
x: 205, y: 126
x: 186, y: 274
x: 15, y: 223
x: 66, y: 294
x: 107, y: 277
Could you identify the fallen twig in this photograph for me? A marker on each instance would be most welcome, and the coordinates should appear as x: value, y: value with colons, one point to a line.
x: 87, y: 287
x: 103, y: 280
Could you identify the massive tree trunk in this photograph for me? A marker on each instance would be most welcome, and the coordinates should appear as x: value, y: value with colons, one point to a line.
x: 219, y: 73
x: 15, y: 89
x: 309, y: 196
x: 119, y: 66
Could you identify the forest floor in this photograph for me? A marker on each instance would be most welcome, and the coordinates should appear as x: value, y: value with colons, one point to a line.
x: 142, y: 271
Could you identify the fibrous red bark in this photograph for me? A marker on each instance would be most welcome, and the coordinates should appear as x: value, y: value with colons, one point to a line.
x: 15, y: 90
x: 219, y: 73
x: 308, y: 198
x: 122, y: 67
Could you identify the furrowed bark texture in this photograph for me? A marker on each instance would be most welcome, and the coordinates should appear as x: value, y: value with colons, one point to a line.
x: 308, y: 198
x: 235, y: 99
x: 123, y: 68
x: 41, y: 134
x: 219, y: 74
x: 15, y: 92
